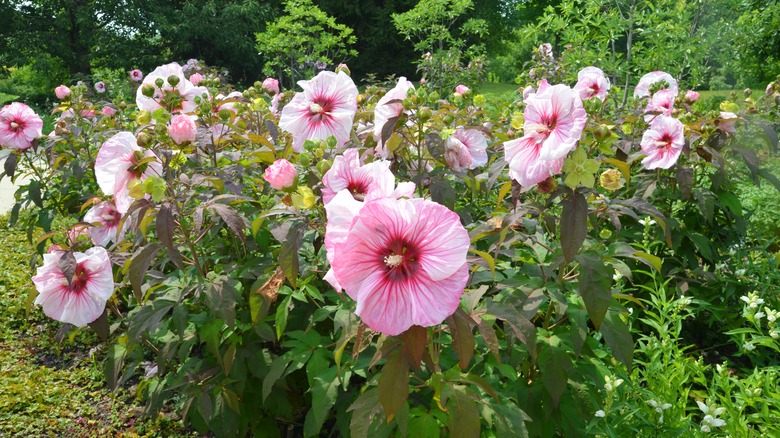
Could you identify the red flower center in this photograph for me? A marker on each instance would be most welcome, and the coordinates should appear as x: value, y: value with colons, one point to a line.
x: 17, y: 126
x: 320, y: 108
x: 80, y: 278
x: 358, y: 189
x: 401, y: 259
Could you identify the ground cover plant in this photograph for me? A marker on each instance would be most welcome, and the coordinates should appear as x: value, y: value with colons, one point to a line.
x: 410, y: 259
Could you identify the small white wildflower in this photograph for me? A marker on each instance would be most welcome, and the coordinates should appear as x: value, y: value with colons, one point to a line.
x: 600, y: 414
x: 771, y: 315
x: 740, y: 272
x: 748, y: 346
x: 720, y: 266
x: 759, y: 315
x: 705, y: 428
x: 774, y: 334
x: 617, y: 275
x: 630, y: 310
x: 659, y: 408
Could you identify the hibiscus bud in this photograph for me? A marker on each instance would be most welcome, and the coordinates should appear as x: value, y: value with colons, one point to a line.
x: 281, y: 174
x: 304, y: 159
x: 147, y: 90
x: 611, y: 179
x: 433, y: 97
x: 605, y: 234
x: 344, y: 68
x: 246, y: 94
x: 691, y: 96
x: 425, y: 113
x: 143, y: 117
x: 603, y: 132
x: 408, y: 104
x: 159, y: 82
x: 62, y: 92
x: 448, y: 119
x: 592, y: 105
x: 461, y: 89
x: 479, y: 100
x: 143, y: 139
x: 173, y: 80
x: 747, y: 92
x: 224, y: 114
x: 323, y: 166
x: 108, y: 111
x: 270, y: 85
x: 196, y: 78
x: 410, y: 92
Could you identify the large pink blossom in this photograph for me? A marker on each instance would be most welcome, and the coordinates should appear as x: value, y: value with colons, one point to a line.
x: 326, y: 106
x: 643, y: 87
x: 554, y: 118
x: 136, y: 74
x: 662, y: 102
x: 19, y: 126
x: 591, y: 82
x: 62, y: 92
x: 271, y: 85
x: 360, y: 180
x: 182, y: 129
x: 117, y: 164
x: 105, y: 219
x: 466, y: 149
x: 525, y: 165
x: 404, y: 262
x: 178, y: 98
x: 83, y: 300
x: 662, y: 143
x: 281, y: 174
x: 389, y: 107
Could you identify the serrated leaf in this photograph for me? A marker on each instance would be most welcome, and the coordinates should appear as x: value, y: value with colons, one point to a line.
x: 235, y: 222
x: 510, y: 421
x: 520, y: 325
x: 67, y: 264
x: 100, y: 326
x: 618, y: 337
x: 393, y: 388
x: 594, y: 286
x: 415, y: 341
x: 424, y: 426
x: 363, y: 411
x: 275, y: 372
x: 148, y: 317
x: 488, y: 334
x: 574, y: 224
x: 10, y: 165
x: 463, y: 420
x: 555, y: 365
x: 166, y: 226
x: 139, y: 264
x: 685, y: 181
x: 324, y: 392
x: 221, y: 296
x: 463, y: 342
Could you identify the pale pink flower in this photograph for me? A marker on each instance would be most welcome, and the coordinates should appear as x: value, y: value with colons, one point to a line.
x: 196, y: 78
x: 182, y: 129
x: 84, y: 299
x: 88, y: 114
x: 136, y: 75
x: 728, y: 122
x: 271, y: 85
x: 360, y: 180
x: 662, y: 102
x: 178, y: 98
x: 643, y: 87
x: 691, y: 96
x: 100, y: 87
x: 545, y: 50
x: 591, y: 82
x: 423, y: 80
x: 105, y: 219
x: 461, y: 89
x: 527, y: 91
x: 404, y: 262
x: 554, y: 118
x: 116, y: 165
x: 466, y: 149
x: 62, y: 92
x: 108, y: 111
x: 389, y: 107
x: 19, y: 126
x: 326, y: 106
x: 275, y: 103
x: 525, y: 165
x: 281, y: 174
x: 662, y: 143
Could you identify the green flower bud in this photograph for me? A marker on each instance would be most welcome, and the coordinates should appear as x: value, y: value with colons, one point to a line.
x: 144, y: 139
x: 143, y: 117
x: 448, y: 119
x: 173, y: 80
x: 424, y: 114
x: 304, y: 159
x: 323, y: 166
x: 159, y: 82
x: 605, y: 234
x: 147, y: 90
x: 433, y: 97
x: 479, y: 100
x: 408, y: 104
x: 224, y: 114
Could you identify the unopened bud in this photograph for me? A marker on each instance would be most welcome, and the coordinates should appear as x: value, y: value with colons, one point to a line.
x: 748, y: 92
x: 147, y: 90
x: 323, y: 166
x: 143, y: 139
x: 425, y: 114
x: 344, y: 68
x: 143, y: 117
x: 224, y: 114
x: 408, y: 104
x: 173, y: 80
x: 159, y: 82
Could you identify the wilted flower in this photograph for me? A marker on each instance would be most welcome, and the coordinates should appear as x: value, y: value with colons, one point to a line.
x: 136, y: 75
x: 281, y: 174
x: 326, y: 106
x: 727, y: 122
x: 105, y: 219
x: 647, y: 81
x: 389, y: 107
x: 465, y: 149
x: 176, y: 97
x: 182, y: 129
x: 271, y: 85
x: 404, y: 262
x: 80, y: 299
x: 591, y: 82
x: 117, y: 164
x: 611, y: 179
x: 100, y: 87
x: 62, y: 92
x: 662, y: 143
x: 19, y: 126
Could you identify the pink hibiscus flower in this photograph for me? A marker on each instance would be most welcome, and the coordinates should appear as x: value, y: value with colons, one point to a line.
x: 465, y: 149
x: 326, y: 106
x: 525, y: 165
x: 136, y: 75
x: 19, y: 126
x: 591, y: 82
x: 105, y: 219
x: 554, y: 118
x: 83, y: 300
x: 281, y: 174
x: 691, y: 96
x: 643, y: 87
x: 385, y: 111
x: 182, y: 129
x: 271, y: 85
x: 404, y: 262
x: 100, y: 87
x: 360, y: 180
x: 117, y: 164
x: 177, y: 98
x: 662, y: 143
x: 662, y: 102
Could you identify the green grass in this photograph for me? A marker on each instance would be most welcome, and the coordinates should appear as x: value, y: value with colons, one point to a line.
x: 49, y: 388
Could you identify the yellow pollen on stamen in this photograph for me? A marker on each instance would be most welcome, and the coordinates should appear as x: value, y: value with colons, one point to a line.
x: 315, y: 108
x: 393, y: 260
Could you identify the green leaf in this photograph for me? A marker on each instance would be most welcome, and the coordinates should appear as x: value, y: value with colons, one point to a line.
x: 324, y: 392
x: 424, y: 426
x: 574, y: 224
x: 594, y: 286
x: 235, y: 222
x: 281, y: 316
x: 115, y: 360
x: 139, y: 264
x: 166, y: 226
x: 654, y: 261
x: 521, y: 326
x: 34, y: 192
x: 510, y: 421
x: 555, y: 365
x: 703, y: 245
x: 148, y: 317
x: 463, y: 341
x: 618, y: 337
x: 463, y: 420
x: 222, y: 295
x: 278, y: 366
x: 393, y: 388
x: 288, y: 253
x: 363, y: 411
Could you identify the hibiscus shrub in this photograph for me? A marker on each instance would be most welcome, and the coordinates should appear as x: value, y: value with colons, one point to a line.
x: 387, y: 262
